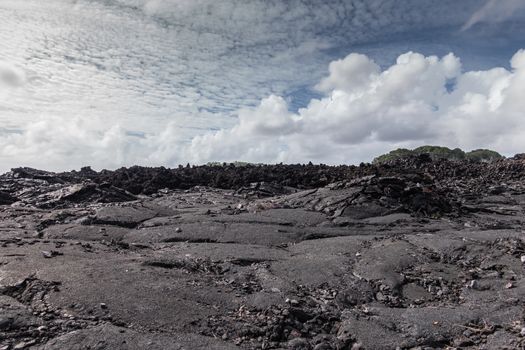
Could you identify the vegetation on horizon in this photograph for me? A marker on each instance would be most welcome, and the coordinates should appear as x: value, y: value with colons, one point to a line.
x: 439, y: 152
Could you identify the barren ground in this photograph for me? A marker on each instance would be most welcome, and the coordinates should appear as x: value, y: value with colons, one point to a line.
x: 413, y: 256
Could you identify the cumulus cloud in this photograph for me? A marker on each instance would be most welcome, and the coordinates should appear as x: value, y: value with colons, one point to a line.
x: 495, y: 11
x: 357, y: 66
x: 58, y: 144
x: 366, y: 110
x: 415, y: 101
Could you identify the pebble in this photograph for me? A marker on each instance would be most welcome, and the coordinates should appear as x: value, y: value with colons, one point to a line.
x: 298, y: 344
x: 21, y: 345
x: 380, y: 296
x: 472, y: 284
x: 50, y: 254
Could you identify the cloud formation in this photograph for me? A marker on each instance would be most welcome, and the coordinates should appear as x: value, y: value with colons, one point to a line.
x: 11, y: 76
x: 121, y: 82
x: 417, y: 100
x: 495, y: 11
x: 366, y: 110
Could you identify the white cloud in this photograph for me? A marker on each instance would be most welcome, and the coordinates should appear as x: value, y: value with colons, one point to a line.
x: 11, y: 76
x: 415, y: 101
x: 365, y: 111
x: 84, y: 76
x: 357, y: 66
x: 11, y: 79
x: 495, y: 11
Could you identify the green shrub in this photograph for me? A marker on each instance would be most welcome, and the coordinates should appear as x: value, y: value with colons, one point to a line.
x: 392, y: 155
x: 439, y: 152
x: 483, y: 155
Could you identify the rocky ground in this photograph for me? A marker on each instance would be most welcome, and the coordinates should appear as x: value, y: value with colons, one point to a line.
x: 416, y: 254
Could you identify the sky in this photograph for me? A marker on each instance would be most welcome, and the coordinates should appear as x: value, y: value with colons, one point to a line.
x: 111, y: 83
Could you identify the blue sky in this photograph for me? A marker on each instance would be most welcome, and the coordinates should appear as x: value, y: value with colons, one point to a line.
x: 157, y: 82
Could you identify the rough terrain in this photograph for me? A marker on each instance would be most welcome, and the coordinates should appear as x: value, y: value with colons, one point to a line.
x: 413, y: 254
